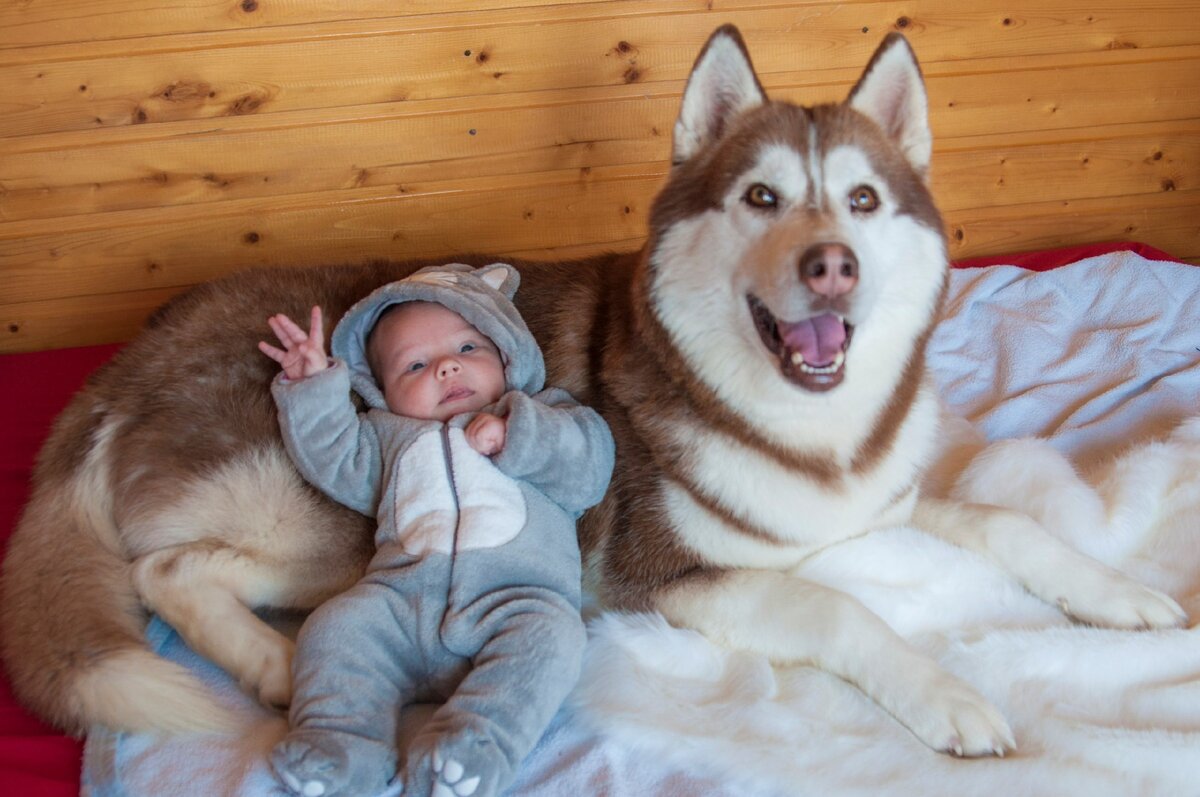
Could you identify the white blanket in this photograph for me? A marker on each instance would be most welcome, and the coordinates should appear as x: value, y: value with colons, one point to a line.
x: 1098, y: 356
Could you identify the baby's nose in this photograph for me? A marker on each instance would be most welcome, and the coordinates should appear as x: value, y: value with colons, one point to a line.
x: 448, y: 367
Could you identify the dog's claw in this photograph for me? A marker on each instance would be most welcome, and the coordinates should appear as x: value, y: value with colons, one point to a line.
x: 1108, y: 599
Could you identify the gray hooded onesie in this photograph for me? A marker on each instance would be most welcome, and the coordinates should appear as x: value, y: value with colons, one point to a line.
x: 473, y: 594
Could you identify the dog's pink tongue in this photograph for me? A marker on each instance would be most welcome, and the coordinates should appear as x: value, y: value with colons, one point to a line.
x: 818, y: 339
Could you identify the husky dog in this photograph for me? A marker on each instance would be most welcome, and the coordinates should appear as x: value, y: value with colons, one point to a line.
x: 760, y: 363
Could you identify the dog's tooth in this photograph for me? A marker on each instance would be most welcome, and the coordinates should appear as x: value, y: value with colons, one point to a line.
x: 839, y: 359
x: 797, y: 358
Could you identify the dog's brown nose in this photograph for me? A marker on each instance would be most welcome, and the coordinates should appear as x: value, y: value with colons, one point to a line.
x: 829, y: 269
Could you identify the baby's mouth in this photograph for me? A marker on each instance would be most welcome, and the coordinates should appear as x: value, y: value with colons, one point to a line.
x: 457, y: 393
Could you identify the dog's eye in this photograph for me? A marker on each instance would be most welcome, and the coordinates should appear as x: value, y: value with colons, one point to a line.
x: 760, y: 196
x: 863, y: 199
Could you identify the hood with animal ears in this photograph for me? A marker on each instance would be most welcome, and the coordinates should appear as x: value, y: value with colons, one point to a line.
x: 483, y: 297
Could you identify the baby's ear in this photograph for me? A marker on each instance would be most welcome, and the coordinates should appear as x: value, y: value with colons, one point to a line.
x: 502, y: 277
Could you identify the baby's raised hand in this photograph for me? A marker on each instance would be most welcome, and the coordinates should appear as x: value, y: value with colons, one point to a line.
x: 303, y: 353
x: 486, y: 434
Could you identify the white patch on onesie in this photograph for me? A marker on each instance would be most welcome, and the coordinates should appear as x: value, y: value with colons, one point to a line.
x: 490, y: 504
x: 490, y: 507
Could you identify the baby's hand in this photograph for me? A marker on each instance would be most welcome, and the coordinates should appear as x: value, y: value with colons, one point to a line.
x: 303, y: 354
x: 486, y: 434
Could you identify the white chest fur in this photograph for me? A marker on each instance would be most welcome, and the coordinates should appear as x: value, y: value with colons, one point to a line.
x: 796, y: 513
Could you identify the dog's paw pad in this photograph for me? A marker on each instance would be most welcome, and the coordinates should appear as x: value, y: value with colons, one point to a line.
x: 451, y: 782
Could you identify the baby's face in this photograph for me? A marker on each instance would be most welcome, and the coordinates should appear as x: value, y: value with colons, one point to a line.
x: 432, y: 364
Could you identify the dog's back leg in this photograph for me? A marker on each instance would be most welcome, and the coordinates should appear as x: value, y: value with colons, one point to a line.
x: 204, y: 590
x: 1058, y: 574
x: 247, y: 535
x: 792, y: 621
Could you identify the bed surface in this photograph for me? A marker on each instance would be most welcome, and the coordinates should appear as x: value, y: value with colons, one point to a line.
x: 35, y: 761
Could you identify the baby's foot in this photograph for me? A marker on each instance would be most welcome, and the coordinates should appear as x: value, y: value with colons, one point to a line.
x: 461, y: 764
x: 327, y: 763
x: 452, y: 778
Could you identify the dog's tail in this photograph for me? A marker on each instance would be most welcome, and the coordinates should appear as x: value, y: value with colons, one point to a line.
x: 71, y: 625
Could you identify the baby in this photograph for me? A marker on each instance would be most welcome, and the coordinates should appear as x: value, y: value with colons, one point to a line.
x: 476, y: 476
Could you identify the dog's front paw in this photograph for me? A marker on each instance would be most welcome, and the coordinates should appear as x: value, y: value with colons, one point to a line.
x: 1113, y: 600
x: 271, y: 677
x: 953, y: 718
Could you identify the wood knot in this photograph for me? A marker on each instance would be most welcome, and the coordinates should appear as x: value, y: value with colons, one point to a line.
x: 250, y: 237
x: 249, y: 6
x: 248, y: 103
x: 186, y: 92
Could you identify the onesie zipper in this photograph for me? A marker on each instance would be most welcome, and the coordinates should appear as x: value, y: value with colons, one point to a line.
x: 447, y: 460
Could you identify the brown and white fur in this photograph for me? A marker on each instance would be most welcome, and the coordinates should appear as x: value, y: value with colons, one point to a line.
x: 164, y: 485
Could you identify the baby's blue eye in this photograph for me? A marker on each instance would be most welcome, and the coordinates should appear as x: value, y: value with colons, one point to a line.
x: 466, y: 347
x: 415, y: 367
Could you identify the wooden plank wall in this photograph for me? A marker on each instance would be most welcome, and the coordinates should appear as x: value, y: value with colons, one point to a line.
x: 147, y: 145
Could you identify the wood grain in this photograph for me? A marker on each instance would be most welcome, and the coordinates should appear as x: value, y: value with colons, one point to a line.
x: 135, y: 250
x: 147, y: 146
x: 156, y: 165
x: 333, y: 64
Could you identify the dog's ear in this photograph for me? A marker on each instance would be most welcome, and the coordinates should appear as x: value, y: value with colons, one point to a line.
x: 892, y: 92
x: 721, y: 86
